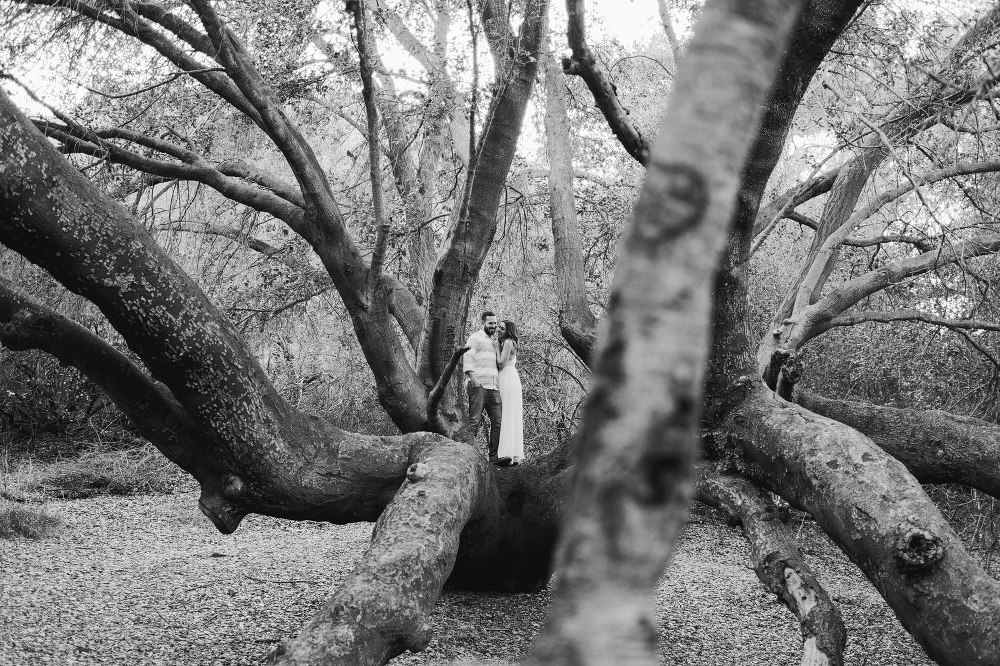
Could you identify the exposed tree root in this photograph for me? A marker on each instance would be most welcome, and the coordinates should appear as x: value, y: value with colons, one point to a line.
x: 936, y: 446
x: 779, y: 564
x: 880, y: 516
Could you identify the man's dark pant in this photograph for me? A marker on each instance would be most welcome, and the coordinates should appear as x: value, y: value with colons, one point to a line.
x: 489, y: 400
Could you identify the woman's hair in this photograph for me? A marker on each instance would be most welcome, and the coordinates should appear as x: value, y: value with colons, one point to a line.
x: 511, y: 330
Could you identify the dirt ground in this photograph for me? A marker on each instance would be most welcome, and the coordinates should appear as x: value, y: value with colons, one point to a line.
x: 147, y: 580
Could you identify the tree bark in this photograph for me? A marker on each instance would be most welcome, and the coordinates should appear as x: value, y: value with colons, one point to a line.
x: 638, y: 439
x: 879, y: 515
x: 779, y: 564
x: 586, y: 65
x: 936, y: 446
x: 27, y: 324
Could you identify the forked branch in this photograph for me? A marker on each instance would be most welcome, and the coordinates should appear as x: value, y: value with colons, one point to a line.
x: 586, y: 65
x: 434, y: 397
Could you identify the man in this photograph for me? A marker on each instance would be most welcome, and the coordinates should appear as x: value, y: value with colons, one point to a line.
x: 480, y: 365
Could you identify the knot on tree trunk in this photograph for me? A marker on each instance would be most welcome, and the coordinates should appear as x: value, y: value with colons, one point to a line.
x: 417, y: 471
x: 917, y: 551
x: 224, y: 514
x: 25, y: 330
x: 783, y: 372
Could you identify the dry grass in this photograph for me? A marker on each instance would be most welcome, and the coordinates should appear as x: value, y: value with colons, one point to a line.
x: 140, y: 471
x: 26, y: 522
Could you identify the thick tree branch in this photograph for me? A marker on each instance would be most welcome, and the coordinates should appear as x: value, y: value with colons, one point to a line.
x: 817, y: 274
x: 130, y: 23
x: 904, y: 122
x: 779, y: 564
x: 384, y: 606
x: 576, y: 322
x: 936, y: 446
x: 874, y: 509
x: 194, y: 168
x: 585, y: 65
x: 365, y: 50
x: 400, y: 390
x: 793, y: 197
x: 27, y: 324
x: 815, y: 319
x: 495, y: 17
x: 469, y: 239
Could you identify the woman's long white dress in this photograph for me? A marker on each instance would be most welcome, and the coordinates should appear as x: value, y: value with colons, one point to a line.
x: 512, y: 419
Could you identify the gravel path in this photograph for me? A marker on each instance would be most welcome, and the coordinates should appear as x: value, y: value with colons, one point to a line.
x: 147, y: 580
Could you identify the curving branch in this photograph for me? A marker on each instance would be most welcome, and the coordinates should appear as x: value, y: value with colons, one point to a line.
x: 903, y: 123
x: 936, y: 446
x: 193, y: 168
x: 812, y: 282
x: 855, y: 318
x: 130, y: 23
x: 779, y: 564
x: 384, y: 606
x: 26, y: 323
x: 793, y: 197
x: 816, y: 318
x: 585, y: 65
x: 434, y: 397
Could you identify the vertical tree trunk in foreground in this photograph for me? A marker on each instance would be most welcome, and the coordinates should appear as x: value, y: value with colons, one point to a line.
x: 638, y: 439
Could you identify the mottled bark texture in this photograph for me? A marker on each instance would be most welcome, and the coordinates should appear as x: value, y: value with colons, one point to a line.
x: 638, y: 439
x: 778, y: 563
x: 936, y: 446
x: 874, y: 509
x: 27, y: 324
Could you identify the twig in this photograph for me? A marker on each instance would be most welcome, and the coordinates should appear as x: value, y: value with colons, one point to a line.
x: 170, y: 78
x: 279, y: 582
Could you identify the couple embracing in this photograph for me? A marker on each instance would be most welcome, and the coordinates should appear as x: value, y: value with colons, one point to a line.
x: 495, y: 387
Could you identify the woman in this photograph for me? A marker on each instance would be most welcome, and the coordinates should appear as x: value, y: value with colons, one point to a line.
x: 512, y: 424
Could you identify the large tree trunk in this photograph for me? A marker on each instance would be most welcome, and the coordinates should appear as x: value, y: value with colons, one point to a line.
x: 638, y: 439
x: 253, y: 452
x: 470, y: 237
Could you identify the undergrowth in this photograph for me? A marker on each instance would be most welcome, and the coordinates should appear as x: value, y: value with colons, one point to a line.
x: 26, y: 522
x: 141, y: 471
